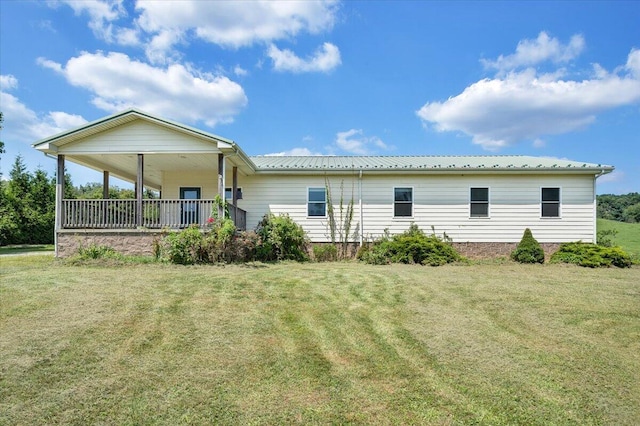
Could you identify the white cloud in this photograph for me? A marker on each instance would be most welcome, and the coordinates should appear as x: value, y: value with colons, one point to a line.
x: 532, y: 52
x: 239, y: 71
x: 21, y: 124
x: 323, y: 60
x: 301, y: 152
x: 8, y: 82
x: 102, y: 14
x: 176, y: 91
x: 231, y: 24
x: 633, y: 63
x: 524, y: 105
x: 355, y: 142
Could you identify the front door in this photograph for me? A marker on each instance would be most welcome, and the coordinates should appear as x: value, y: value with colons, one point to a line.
x: 190, y: 209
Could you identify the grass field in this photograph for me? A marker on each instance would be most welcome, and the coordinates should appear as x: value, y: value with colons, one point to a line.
x: 339, y: 343
x: 19, y: 249
x: 628, y: 236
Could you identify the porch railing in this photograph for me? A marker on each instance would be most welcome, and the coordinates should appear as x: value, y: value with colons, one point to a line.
x: 121, y: 214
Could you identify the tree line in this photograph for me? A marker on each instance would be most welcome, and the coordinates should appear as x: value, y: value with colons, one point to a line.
x: 28, y: 202
x: 622, y: 208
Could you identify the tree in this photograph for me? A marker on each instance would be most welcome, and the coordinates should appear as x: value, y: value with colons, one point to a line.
x: 612, y: 206
x: 528, y: 250
x: 1, y: 143
x: 27, y: 212
x: 632, y: 213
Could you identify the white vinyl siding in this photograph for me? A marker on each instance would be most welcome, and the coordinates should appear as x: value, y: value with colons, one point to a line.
x: 438, y: 201
x: 139, y: 136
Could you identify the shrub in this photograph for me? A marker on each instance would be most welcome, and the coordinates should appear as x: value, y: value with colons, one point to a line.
x: 605, y: 237
x: 95, y: 251
x: 591, y: 255
x: 186, y: 247
x: 412, y: 246
x: 528, y: 250
x: 281, y: 239
x: 325, y: 252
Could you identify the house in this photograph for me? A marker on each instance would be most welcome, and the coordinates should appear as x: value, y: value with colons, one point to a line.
x: 483, y: 203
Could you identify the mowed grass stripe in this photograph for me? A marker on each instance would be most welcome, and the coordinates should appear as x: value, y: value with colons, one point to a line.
x: 333, y: 343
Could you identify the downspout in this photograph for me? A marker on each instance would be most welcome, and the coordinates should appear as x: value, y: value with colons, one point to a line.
x: 595, y: 206
x: 360, y: 207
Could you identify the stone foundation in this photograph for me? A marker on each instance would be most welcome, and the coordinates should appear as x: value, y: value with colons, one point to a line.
x: 492, y: 250
x: 134, y: 242
x: 138, y: 242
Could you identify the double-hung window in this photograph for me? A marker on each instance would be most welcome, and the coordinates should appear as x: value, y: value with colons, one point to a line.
x: 550, y: 204
x: 402, y: 202
x: 479, y: 202
x: 317, y: 202
x: 228, y: 193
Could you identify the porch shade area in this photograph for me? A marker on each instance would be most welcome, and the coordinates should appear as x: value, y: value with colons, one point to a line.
x: 144, y: 149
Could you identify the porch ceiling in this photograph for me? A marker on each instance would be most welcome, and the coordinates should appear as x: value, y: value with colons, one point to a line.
x: 125, y: 166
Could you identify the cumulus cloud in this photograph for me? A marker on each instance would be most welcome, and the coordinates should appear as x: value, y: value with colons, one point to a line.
x: 544, y: 48
x: 355, y: 142
x: 102, y: 15
x: 22, y: 124
x: 235, y: 24
x: 176, y: 91
x: 523, y: 104
x: 8, y: 82
x: 324, y: 59
x: 230, y: 24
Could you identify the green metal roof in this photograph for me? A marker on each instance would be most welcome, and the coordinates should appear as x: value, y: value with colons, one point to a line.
x: 423, y: 163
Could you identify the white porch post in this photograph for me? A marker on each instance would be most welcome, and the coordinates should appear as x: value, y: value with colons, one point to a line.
x: 59, y: 197
x: 221, y: 185
x: 139, y: 189
x: 234, y: 195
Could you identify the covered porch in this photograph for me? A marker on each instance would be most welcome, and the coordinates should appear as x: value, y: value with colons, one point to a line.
x: 196, y: 174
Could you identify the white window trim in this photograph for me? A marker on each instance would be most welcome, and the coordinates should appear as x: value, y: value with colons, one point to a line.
x: 393, y: 203
x: 231, y: 191
x: 559, y: 203
x: 326, y: 204
x: 488, y: 216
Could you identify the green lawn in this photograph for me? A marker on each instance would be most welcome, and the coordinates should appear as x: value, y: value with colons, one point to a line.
x: 312, y: 343
x: 628, y: 236
x: 27, y: 248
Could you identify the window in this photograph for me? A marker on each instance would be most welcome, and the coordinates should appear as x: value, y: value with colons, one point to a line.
x: 317, y: 202
x: 550, y: 202
x: 229, y: 191
x: 479, y: 204
x: 402, y: 202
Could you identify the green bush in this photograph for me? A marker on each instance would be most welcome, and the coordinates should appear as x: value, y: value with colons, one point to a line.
x: 528, y: 250
x: 186, y: 247
x: 591, y: 255
x: 95, y: 251
x: 325, y: 252
x: 412, y: 246
x: 281, y: 239
x: 605, y: 237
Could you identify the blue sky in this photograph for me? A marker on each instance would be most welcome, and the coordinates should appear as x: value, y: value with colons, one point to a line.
x: 556, y: 79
